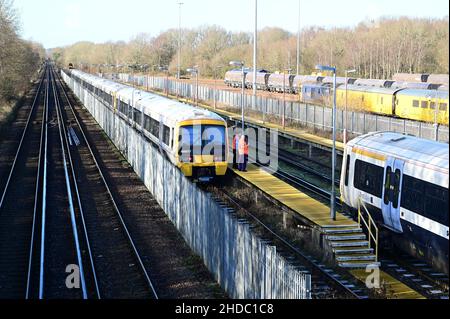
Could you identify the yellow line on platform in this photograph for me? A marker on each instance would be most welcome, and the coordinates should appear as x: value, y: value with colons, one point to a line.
x: 291, y: 197
x: 394, y: 288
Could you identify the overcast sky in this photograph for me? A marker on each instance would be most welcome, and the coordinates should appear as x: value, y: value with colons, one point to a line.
x: 63, y: 22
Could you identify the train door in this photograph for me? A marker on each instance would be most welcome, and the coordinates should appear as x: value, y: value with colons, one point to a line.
x: 390, y: 204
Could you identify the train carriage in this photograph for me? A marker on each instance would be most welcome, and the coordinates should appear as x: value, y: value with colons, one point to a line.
x: 193, y: 139
x: 316, y: 93
x: 404, y: 181
x: 262, y: 80
x: 369, y: 99
x: 233, y: 78
x: 281, y: 82
x: 421, y: 105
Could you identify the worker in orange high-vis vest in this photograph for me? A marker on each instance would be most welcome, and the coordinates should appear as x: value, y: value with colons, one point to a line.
x: 235, y: 147
x: 243, y: 153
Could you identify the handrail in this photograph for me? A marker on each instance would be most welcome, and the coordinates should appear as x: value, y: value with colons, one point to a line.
x: 368, y: 225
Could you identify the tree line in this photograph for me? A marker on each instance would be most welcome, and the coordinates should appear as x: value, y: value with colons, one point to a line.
x: 19, y: 59
x: 377, y: 49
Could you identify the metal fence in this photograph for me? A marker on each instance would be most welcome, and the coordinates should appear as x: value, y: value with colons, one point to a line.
x: 312, y: 116
x: 245, y: 265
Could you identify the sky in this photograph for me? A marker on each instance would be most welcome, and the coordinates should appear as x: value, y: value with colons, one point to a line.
x: 63, y: 22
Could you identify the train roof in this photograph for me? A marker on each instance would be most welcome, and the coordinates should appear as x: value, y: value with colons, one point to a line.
x: 430, y: 94
x: 406, y: 147
x: 413, y: 85
x: 370, y: 89
x: 151, y: 103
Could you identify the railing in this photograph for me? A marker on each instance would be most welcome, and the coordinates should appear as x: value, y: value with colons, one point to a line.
x: 369, y: 224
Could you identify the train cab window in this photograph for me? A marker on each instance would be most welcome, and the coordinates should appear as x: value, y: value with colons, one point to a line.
x: 424, y: 104
x: 443, y: 107
x: 347, y: 170
x: 415, y: 103
x: 368, y: 178
x: 432, y: 105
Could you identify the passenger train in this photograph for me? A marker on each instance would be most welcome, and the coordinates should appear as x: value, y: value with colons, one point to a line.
x: 403, y: 180
x: 194, y: 140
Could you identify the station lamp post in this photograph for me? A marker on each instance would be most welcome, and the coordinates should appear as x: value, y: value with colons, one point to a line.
x: 194, y: 71
x: 333, y: 164
x: 240, y: 64
x: 347, y: 72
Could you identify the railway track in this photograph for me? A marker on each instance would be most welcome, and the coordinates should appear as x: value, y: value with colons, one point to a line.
x: 19, y: 199
x: 55, y: 246
x: 115, y: 263
x: 327, y: 283
x: 44, y: 232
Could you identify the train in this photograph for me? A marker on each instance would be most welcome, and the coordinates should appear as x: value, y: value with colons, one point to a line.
x: 194, y: 140
x: 419, y: 101
x: 403, y: 181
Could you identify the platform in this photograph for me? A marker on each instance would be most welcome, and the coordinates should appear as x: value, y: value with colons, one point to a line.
x: 291, y: 197
x: 344, y: 235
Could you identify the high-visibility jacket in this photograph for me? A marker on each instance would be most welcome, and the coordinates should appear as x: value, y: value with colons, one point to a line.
x: 243, y: 146
x: 236, y: 142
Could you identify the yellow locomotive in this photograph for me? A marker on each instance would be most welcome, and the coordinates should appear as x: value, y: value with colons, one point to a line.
x: 414, y: 104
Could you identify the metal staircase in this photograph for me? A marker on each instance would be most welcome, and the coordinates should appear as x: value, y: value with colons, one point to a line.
x: 352, y: 247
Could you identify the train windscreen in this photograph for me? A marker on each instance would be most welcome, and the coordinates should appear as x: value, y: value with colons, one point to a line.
x: 203, y: 140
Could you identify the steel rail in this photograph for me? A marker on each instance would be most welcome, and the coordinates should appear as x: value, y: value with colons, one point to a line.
x: 27, y: 125
x: 38, y: 178
x: 44, y: 195
x: 80, y: 206
x: 71, y: 208
x: 130, y: 239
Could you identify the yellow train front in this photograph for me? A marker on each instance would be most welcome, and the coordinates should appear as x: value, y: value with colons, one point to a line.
x: 202, y: 146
